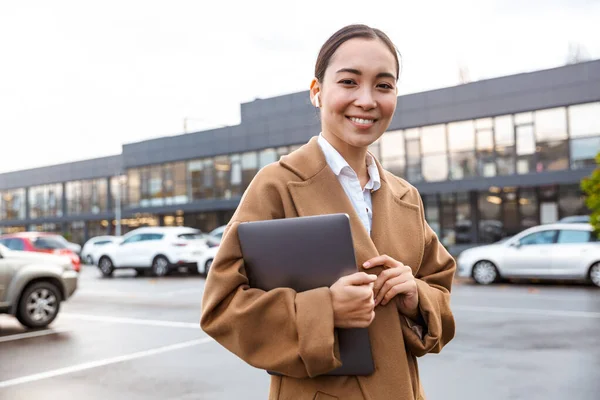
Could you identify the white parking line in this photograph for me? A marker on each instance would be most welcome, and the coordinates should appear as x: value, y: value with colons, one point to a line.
x: 530, y: 311
x: 101, y: 363
x: 133, y: 321
x: 32, y: 334
x: 144, y: 295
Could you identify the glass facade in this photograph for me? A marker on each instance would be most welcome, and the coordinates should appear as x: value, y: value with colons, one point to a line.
x: 12, y: 204
x: 89, y: 196
x: 46, y: 201
x: 545, y: 140
x: 524, y: 143
x: 502, y: 211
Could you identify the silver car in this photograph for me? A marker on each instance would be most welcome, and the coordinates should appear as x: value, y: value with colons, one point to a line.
x: 553, y: 251
x: 32, y: 285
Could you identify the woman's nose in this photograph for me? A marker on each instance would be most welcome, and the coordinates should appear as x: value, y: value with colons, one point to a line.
x: 365, y: 99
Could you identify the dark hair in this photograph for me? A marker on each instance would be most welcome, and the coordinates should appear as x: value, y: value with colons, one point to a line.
x: 343, y: 35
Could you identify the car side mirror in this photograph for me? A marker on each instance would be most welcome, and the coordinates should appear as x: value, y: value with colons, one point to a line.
x: 516, y: 245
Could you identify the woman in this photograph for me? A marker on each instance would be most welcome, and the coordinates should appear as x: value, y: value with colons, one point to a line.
x: 401, y: 290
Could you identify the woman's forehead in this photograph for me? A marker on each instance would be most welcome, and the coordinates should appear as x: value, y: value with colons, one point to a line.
x: 365, y: 55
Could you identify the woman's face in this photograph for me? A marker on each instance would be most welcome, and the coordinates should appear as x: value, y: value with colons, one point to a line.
x: 358, y: 92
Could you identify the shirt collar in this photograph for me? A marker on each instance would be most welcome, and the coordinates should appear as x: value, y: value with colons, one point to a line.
x: 337, y: 163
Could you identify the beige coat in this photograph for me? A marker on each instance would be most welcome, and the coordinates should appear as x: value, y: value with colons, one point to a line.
x: 293, y: 333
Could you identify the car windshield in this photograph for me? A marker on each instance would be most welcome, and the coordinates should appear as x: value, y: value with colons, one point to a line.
x: 190, y: 236
x: 48, y: 243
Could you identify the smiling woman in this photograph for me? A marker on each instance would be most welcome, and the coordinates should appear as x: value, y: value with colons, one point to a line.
x: 400, y: 291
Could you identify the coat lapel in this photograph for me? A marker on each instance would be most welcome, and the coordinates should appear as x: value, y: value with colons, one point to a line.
x: 397, y: 228
x: 395, y: 221
x: 321, y: 193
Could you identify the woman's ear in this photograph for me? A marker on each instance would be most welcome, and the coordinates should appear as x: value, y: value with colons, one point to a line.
x: 315, y: 93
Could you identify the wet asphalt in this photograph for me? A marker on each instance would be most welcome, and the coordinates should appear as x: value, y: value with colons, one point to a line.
x: 135, y: 338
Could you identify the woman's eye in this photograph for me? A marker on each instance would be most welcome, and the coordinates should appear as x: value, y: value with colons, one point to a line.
x: 347, y: 82
x: 385, y: 86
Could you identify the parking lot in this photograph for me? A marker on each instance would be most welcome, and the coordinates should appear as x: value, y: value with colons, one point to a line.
x: 139, y: 338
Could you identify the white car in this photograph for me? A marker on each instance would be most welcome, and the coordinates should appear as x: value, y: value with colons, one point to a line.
x: 90, y: 248
x: 206, y: 260
x: 74, y: 247
x: 155, y: 249
x: 552, y: 251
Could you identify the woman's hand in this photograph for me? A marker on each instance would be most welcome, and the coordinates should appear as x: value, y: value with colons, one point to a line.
x: 395, y: 279
x: 353, y: 301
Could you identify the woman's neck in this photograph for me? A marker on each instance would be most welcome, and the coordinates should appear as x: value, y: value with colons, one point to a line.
x: 354, y: 156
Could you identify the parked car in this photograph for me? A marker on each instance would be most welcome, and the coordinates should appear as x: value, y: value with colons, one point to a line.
x: 32, y: 285
x: 90, y: 248
x: 552, y: 251
x: 155, y: 249
x: 575, y: 219
x: 205, y: 261
x: 74, y: 247
x: 214, y: 237
x: 40, y: 242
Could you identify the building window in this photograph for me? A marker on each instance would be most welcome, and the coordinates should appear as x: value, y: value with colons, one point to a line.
x: 89, y: 196
x: 528, y: 207
x: 463, y: 225
x: 571, y: 201
x: 432, y: 212
x: 552, y: 156
x: 491, y: 228
x: 249, y: 168
x: 393, y: 154
x: 45, y: 201
x: 236, y: 175
x: 413, y: 155
x: 12, y: 204
x: 486, y: 159
x: 551, y: 125
x: 434, y: 160
x: 584, y: 121
x: 201, y: 179
x: 266, y: 157
x: 583, y: 152
x: 222, y: 177
x: 448, y: 203
x: 133, y: 186
x: 461, y: 142
x: 525, y: 149
x: 505, y: 145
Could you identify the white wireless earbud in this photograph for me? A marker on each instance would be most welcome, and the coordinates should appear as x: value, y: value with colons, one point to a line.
x: 317, y: 102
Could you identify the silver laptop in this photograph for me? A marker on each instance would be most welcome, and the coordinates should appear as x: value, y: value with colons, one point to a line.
x: 306, y: 253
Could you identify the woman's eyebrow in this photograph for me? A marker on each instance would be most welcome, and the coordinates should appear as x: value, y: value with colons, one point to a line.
x: 357, y: 72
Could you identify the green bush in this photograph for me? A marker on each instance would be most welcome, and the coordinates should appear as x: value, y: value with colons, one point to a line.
x: 591, y: 187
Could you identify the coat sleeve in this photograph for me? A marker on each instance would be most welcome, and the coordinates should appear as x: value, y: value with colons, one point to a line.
x: 280, y: 330
x: 434, y: 283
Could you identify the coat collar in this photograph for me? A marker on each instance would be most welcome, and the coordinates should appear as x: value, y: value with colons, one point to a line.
x: 320, y: 193
x: 309, y: 160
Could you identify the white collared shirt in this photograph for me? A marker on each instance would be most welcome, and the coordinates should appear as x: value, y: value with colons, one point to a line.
x: 360, y: 197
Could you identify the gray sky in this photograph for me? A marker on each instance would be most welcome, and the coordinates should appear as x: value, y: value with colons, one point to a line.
x: 80, y: 78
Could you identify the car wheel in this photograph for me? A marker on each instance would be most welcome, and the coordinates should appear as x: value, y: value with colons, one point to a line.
x: 39, y: 305
x: 595, y: 274
x: 207, y: 265
x: 160, y: 266
x: 106, y: 266
x: 89, y: 260
x: 485, y: 272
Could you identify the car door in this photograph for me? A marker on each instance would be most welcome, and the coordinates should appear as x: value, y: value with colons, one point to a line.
x: 5, y: 277
x: 530, y: 255
x: 150, y: 245
x: 573, y: 253
x: 128, y: 250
